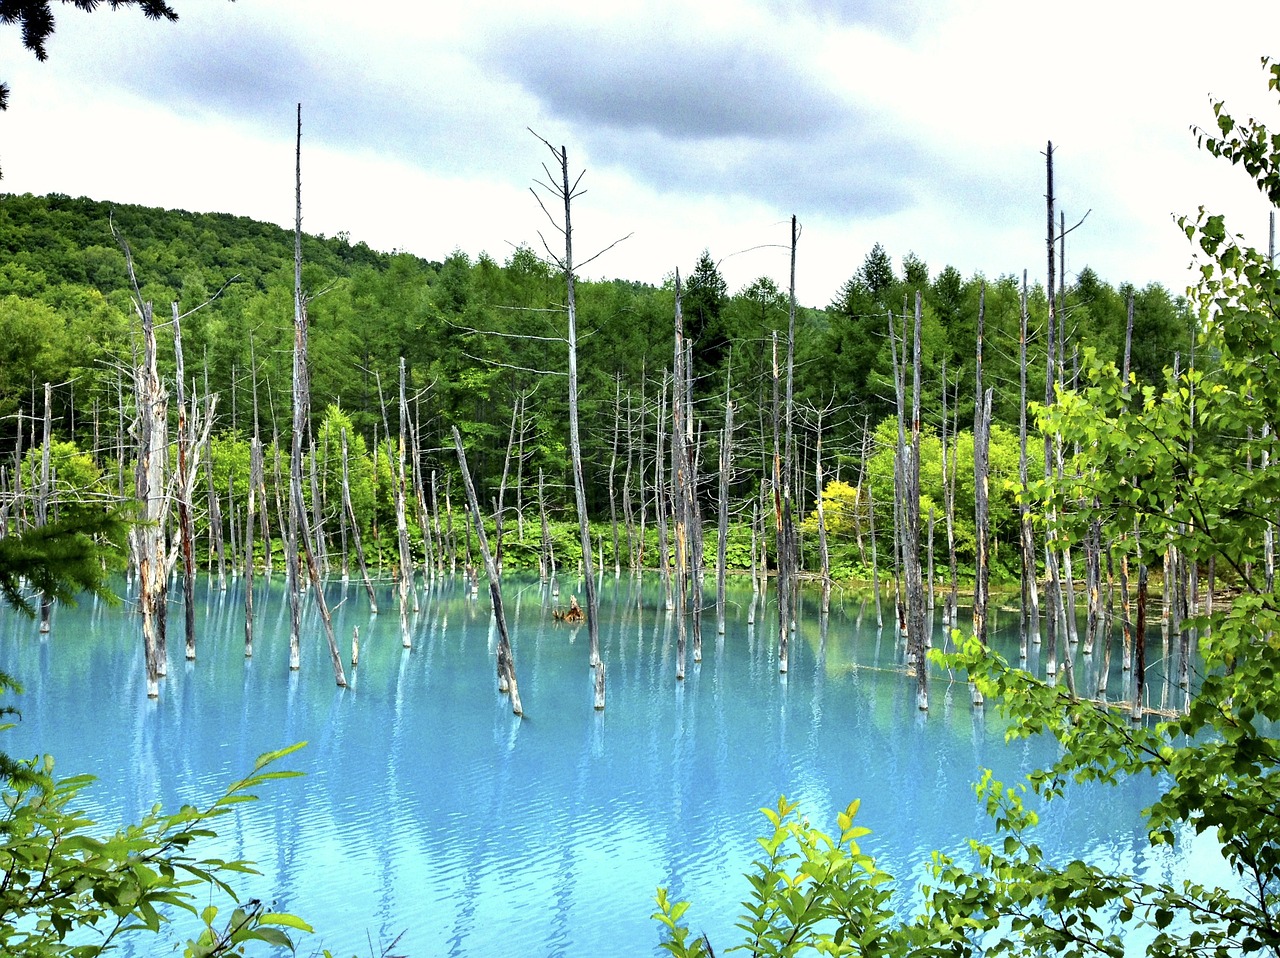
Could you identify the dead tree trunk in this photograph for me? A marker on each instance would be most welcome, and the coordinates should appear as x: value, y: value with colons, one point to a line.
x: 1052, y: 585
x: 981, y: 510
x: 565, y: 192
x: 781, y: 525
x: 824, y: 552
x: 722, y: 541
x: 613, y: 471
x: 147, y: 537
x: 1030, y: 620
x: 299, y: 531
x: 402, y: 522
x: 660, y: 502
x: 680, y: 483
x: 506, y: 664
x: 911, y: 541
x: 44, y: 493
x: 152, y: 405
x: 864, y: 487
x: 255, y: 481
x: 189, y: 446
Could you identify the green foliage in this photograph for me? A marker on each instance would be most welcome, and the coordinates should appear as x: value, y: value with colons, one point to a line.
x: 809, y: 893
x: 71, y: 554
x: 66, y: 890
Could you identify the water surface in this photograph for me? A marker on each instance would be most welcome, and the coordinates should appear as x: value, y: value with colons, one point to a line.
x: 428, y: 811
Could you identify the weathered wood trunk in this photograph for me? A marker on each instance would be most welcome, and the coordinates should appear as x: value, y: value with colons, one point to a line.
x: 781, y: 525
x: 506, y: 662
x: 981, y: 508
x: 299, y: 527
x: 613, y: 472
x: 911, y: 540
x: 722, y: 541
x: 194, y: 427
x: 152, y: 403
x: 255, y: 481
x: 402, y: 523
x: 1140, y: 648
x: 548, y: 557
x: 660, y: 505
x: 864, y: 489
x: 44, y: 493
x: 824, y: 552
x: 1053, y: 591
x: 218, y: 545
x: 566, y: 193
x: 680, y: 482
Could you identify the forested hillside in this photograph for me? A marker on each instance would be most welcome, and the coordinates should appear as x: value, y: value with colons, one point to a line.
x: 482, y: 345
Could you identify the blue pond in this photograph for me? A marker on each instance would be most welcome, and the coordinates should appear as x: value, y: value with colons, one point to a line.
x: 428, y: 811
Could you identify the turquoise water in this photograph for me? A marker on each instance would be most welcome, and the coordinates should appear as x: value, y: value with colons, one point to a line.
x: 428, y: 811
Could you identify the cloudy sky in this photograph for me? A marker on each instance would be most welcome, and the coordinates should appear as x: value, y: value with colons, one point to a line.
x: 919, y: 124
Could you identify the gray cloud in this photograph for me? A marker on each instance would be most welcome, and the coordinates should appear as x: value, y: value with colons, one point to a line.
x: 900, y: 19
x: 682, y: 86
x: 254, y: 75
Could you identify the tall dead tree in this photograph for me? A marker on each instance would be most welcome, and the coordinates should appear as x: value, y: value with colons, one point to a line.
x: 783, y: 473
x: 560, y: 189
x: 1056, y: 616
x: 911, y: 513
x: 1030, y: 618
x: 824, y: 553
x: 680, y: 482
x: 44, y: 492
x: 981, y: 510
x: 402, y: 523
x: 299, y: 526
x: 722, y: 541
x: 193, y: 437
x: 151, y: 402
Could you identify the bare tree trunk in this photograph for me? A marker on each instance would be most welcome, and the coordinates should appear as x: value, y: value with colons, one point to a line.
x: 613, y: 471
x: 565, y: 192
x: 500, y: 506
x: 255, y: 481
x: 911, y: 543
x: 152, y: 406
x: 215, y: 517
x: 1140, y: 648
x: 1052, y: 585
x: 680, y: 483
x: 864, y: 486
x: 298, y: 525
x: 722, y: 543
x: 660, y: 505
x: 506, y: 663
x: 628, y: 514
x: 194, y: 427
x: 823, y: 550
x: 43, y: 496
x: 982, y: 513
x: 781, y: 525
x: 402, y: 522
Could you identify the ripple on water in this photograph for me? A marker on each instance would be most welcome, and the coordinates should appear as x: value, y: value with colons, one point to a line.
x: 428, y: 810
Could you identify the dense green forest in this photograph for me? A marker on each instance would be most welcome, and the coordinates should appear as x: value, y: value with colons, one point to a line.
x: 482, y: 344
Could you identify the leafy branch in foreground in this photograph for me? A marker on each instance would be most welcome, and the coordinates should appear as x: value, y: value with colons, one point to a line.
x: 68, y: 555
x: 65, y: 891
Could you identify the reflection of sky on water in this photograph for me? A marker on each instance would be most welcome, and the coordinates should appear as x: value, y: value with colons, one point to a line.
x: 428, y: 809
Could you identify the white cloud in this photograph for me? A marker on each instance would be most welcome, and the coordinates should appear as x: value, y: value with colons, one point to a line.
x: 917, y: 125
